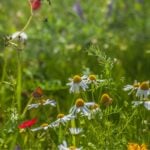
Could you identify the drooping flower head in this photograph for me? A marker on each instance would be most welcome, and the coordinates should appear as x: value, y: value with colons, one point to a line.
x: 27, y: 124
x: 106, y: 100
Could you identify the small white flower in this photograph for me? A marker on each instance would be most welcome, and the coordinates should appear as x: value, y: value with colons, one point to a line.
x: 77, y: 83
x: 44, y: 126
x: 131, y: 88
x: 92, y: 79
x: 64, y: 146
x: 47, y: 102
x: 81, y: 107
x: 14, y: 115
x: 62, y: 119
x: 19, y: 36
x: 94, y: 111
x: 145, y: 103
x: 143, y: 91
x: 75, y: 131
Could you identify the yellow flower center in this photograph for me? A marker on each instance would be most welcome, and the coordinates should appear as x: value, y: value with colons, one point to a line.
x: 79, y: 102
x: 133, y: 146
x: 92, y: 77
x: 144, y: 147
x: 72, y: 148
x: 44, y: 125
x: 77, y: 79
x: 42, y: 101
x: 94, y: 106
x: 60, y: 115
x: 106, y: 99
x: 144, y: 86
x: 136, y: 85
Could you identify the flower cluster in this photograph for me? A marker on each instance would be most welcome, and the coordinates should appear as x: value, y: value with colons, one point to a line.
x: 78, y: 83
x: 142, y: 92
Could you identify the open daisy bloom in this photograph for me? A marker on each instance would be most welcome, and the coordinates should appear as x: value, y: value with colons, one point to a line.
x: 44, y: 126
x: 27, y: 124
x: 43, y: 103
x: 145, y: 103
x: 106, y: 100
x: 77, y: 83
x: 134, y: 146
x: 92, y: 79
x: 61, y: 119
x: 81, y: 107
x: 143, y: 90
x: 64, y: 146
x: 131, y: 88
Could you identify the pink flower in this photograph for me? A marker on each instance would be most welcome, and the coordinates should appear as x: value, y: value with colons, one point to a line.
x: 36, y: 4
x: 27, y: 123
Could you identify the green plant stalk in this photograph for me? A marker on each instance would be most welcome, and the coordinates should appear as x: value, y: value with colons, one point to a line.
x: 26, y: 108
x: 19, y: 81
x: 60, y: 134
x: 73, y: 125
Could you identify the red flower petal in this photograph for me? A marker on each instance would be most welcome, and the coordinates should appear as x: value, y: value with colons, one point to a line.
x: 27, y: 123
x: 36, y: 4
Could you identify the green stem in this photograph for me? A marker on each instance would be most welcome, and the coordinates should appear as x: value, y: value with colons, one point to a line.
x: 73, y: 125
x: 26, y: 108
x: 19, y: 81
x: 60, y: 135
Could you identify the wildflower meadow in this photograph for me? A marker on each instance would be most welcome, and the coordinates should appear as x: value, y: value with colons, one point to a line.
x: 75, y: 75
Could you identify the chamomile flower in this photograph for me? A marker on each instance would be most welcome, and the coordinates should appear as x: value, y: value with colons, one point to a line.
x: 92, y: 79
x: 19, y: 36
x: 75, y: 131
x: 44, y: 126
x: 94, y: 110
x: 64, y: 146
x: 146, y: 104
x: 62, y: 119
x: 43, y: 103
x: 81, y: 107
x: 131, y: 88
x: 143, y: 90
x: 106, y: 100
x: 77, y: 83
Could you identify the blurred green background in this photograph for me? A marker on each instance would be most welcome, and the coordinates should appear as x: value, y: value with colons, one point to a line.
x: 60, y: 35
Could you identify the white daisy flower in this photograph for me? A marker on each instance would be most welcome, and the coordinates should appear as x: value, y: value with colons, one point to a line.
x: 62, y: 119
x: 145, y: 103
x: 44, y: 126
x: 94, y: 110
x: 64, y: 146
x: 92, y: 79
x: 43, y: 102
x: 77, y: 83
x: 143, y: 91
x: 131, y: 88
x: 81, y: 107
x: 19, y: 36
x: 75, y: 131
